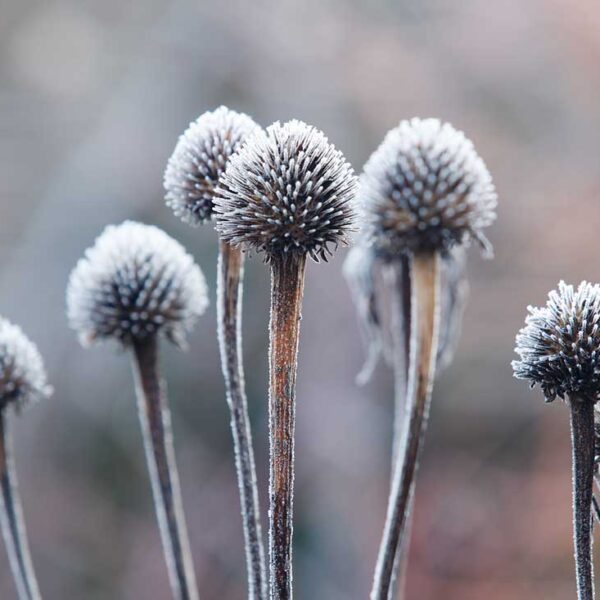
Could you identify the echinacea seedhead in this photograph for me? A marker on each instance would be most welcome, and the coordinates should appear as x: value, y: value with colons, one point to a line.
x: 288, y: 190
x: 560, y: 343
x: 22, y: 374
x: 425, y: 188
x: 135, y: 281
x: 199, y: 159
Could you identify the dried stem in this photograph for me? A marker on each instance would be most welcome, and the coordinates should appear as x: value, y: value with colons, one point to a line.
x: 582, y: 438
x: 155, y: 420
x: 229, y: 311
x: 287, y: 284
x: 401, y: 294
x: 424, y: 334
x: 13, y: 524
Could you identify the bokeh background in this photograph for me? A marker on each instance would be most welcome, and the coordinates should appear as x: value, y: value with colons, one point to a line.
x: 92, y: 98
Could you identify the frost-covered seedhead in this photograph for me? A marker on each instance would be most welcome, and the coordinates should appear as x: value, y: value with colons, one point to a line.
x: 135, y: 281
x: 288, y: 190
x: 560, y: 343
x: 425, y: 188
x: 22, y: 373
x: 199, y: 159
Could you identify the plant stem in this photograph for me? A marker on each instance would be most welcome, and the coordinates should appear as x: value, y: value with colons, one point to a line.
x: 11, y: 518
x: 401, y: 294
x: 287, y: 285
x: 424, y: 334
x: 155, y: 420
x: 400, y: 306
x: 229, y: 311
x: 582, y: 438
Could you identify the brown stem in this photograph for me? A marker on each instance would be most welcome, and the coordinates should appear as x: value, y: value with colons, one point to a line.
x: 287, y: 285
x: 424, y: 326
x: 229, y: 311
x: 155, y: 420
x: 401, y: 295
x: 582, y: 438
x: 13, y: 524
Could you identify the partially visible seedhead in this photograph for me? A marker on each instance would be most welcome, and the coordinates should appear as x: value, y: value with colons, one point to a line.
x: 560, y: 343
x: 597, y: 439
x: 22, y: 374
x: 135, y: 281
x: 425, y: 188
x: 200, y: 158
x: 288, y: 190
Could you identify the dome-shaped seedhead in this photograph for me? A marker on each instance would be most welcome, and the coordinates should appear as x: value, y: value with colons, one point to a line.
x: 288, y: 190
x: 560, y: 343
x: 135, y: 281
x: 425, y: 188
x: 199, y: 159
x: 22, y: 374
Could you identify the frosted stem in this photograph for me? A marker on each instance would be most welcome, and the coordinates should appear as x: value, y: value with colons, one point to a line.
x: 287, y: 284
x: 582, y: 438
x: 424, y: 334
x: 229, y: 319
x: 155, y: 420
x: 13, y: 524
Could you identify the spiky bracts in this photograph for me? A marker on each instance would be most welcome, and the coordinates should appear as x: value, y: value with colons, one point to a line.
x: 22, y: 374
x: 425, y: 188
x: 287, y: 191
x: 200, y: 158
x: 134, y: 282
x: 560, y: 343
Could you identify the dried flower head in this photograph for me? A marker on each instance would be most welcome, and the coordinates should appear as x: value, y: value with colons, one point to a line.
x: 560, y: 343
x: 22, y: 373
x: 135, y: 281
x: 425, y: 188
x: 287, y: 190
x: 199, y: 159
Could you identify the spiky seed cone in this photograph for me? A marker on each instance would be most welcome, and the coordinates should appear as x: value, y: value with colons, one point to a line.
x: 560, y: 343
x: 133, y: 285
x: 200, y: 158
x: 559, y: 351
x: 135, y: 282
x: 287, y: 191
x: 22, y: 373
x: 22, y: 381
x: 425, y: 188
x: 422, y: 192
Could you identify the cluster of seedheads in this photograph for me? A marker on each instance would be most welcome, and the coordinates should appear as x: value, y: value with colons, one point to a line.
x: 288, y: 194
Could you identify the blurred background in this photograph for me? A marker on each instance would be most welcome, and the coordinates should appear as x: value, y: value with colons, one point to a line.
x: 92, y: 99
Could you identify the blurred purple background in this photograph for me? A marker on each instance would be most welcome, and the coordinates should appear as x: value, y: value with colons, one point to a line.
x: 93, y: 97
